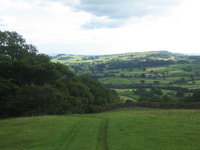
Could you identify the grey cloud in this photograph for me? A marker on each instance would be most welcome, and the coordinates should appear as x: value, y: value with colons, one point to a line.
x: 118, y: 11
x: 125, y: 8
x: 97, y: 22
x: 117, y: 8
x: 122, y: 10
x: 96, y: 25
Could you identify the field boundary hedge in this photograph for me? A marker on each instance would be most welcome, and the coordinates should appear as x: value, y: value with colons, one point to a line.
x: 162, y: 105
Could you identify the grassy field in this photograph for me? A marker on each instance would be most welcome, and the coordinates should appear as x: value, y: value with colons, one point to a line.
x: 129, y: 129
x: 115, y: 81
x: 129, y: 74
x: 130, y: 95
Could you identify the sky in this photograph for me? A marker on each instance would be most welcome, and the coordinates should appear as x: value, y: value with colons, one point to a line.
x: 96, y: 27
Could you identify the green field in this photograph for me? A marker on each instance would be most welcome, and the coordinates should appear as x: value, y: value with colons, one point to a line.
x: 160, y: 69
x: 116, y: 81
x: 129, y: 129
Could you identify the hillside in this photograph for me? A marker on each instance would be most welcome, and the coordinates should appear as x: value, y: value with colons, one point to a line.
x: 76, y: 59
x: 140, y: 129
x: 128, y: 72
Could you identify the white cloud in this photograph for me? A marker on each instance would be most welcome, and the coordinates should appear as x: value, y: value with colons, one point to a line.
x: 118, y: 11
x: 56, y: 28
x: 52, y: 22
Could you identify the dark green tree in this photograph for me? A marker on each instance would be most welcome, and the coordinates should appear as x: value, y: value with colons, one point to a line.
x: 155, y: 91
x: 30, y: 84
x: 180, y: 93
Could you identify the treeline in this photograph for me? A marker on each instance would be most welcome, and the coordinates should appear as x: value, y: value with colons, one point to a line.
x: 125, y: 64
x: 140, y: 86
x: 155, y: 94
x: 138, y: 63
x: 30, y: 84
x: 160, y: 105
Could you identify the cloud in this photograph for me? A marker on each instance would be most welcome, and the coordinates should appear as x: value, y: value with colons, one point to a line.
x: 101, y: 22
x: 2, y: 25
x: 125, y: 8
x: 112, y: 13
x: 6, y: 20
x: 55, y: 26
x: 117, y: 12
x: 113, y: 8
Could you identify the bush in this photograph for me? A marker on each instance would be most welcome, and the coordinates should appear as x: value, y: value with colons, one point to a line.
x: 36, y: 100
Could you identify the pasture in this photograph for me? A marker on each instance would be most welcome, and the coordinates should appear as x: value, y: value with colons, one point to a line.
x: 127, y: 129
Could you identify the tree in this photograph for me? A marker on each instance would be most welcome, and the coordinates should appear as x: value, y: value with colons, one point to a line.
x: 143, y: 75
x: 142, y: 81
x: 156, y: 91
x: 180, y: 93
x: 37, y: 100
x: 142, y: 92
x: 156, y: 82
x: 195, y: 97
x: 30, y: 84
x: 13, y: 45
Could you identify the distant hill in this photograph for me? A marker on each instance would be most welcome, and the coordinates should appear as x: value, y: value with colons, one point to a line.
x: 165, y: 70
x: 70, y: 59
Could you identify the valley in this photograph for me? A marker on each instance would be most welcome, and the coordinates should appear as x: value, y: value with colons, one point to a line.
x: 167, y: 71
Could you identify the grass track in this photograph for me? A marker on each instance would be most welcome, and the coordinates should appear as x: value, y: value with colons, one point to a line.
x: 102, y: 140
x: 66, y: 143
x: 87, y: 136
x: 130, y: 129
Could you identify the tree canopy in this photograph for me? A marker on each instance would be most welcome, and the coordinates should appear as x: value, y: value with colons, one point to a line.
x: 30, y: 84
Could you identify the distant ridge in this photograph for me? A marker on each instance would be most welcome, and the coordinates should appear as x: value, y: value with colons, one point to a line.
x: 192, y: 54
x: 128, y: 53
x: 71, y: 58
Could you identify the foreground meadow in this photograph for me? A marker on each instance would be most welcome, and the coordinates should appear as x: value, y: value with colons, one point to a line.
x: 128, y: 129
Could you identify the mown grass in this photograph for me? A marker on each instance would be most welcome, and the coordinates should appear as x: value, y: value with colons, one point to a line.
x: 35, y: 132
x: 154, y: 130
x: 129, y: 129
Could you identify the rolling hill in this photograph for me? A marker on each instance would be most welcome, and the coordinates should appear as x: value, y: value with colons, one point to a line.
x: 168, y: 71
